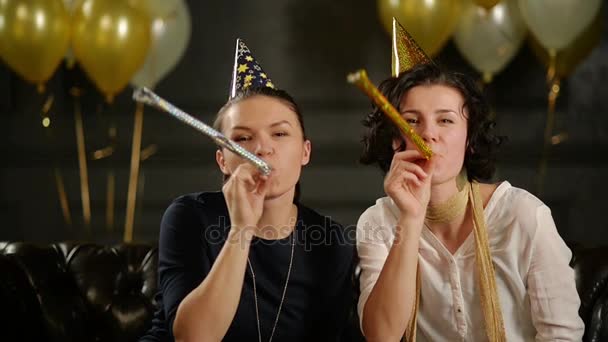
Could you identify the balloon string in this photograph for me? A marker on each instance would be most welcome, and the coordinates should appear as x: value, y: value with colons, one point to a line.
x: 63, y: 198
x: 61, y: 193
x: 487, y: 78
x: 110, y: 196
x: 82, y: 160
x: 141, y: 181
x: 134, y: 173
x: 554, y: 91
x: 552, y: 70
x: 111, y: 180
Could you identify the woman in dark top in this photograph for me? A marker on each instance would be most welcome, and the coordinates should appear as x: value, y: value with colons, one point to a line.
x: 250, y: 263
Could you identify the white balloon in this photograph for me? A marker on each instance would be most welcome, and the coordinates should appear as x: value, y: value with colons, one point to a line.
x: 170, y: 36
x: 556, y: 23
x: 489, y: 39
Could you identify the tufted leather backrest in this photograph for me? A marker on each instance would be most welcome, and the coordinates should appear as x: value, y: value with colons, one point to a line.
x: 87, y: 292
x: 591, y: 269
x: 18, y: 304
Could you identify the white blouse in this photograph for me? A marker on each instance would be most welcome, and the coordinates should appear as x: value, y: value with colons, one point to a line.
x: 535, y: 283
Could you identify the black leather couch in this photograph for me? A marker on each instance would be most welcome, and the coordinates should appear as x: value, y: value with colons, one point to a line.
x: 86, y: 292
x: 76, y: 292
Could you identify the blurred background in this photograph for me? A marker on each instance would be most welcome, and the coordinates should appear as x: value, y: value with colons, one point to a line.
x: 81, y: 161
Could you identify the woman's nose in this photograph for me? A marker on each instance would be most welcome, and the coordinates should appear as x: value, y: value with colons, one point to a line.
x: 428, y: 131
x: 263, y: 147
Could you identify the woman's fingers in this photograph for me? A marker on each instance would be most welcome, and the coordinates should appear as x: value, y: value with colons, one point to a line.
x: 429, y: 166
x: 406, y: 175
x: 408, y: 181
x: 412, y: 156
x: 262, y: 186
x: 245, y: 191
x: 408, y: 155
x: 247, y: 179
x: 405, y: 166
x: 410, y: 177
x: 401, y: 179
x: 247, y: 175
x: 405, y: 171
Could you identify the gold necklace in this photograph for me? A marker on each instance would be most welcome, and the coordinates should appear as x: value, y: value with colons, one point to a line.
x: 255, y: 294
x: 447, y: 211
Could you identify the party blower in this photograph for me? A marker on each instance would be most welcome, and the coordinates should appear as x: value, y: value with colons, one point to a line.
x: 360, y: 79
x: 146, y: 96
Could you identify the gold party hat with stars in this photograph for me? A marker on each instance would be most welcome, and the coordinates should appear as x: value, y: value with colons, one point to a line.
x: 406, y: 53
x: 247, y: 72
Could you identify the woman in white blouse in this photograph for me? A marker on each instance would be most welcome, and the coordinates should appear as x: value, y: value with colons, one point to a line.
x: 427, y: 227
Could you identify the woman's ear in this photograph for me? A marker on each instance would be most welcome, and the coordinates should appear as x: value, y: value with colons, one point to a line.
x: 221, y: 162
x: 307, y: 152
x: 468, y: 149
x: 398, y: 145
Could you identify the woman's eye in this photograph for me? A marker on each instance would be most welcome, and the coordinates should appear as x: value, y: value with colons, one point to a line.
x: 280, y: 134
x: 446, y: 121
x: 411, y: 121
x: 242, y: 138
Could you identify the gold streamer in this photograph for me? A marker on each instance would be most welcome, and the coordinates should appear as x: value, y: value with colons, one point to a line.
x: 360, y: 79
x: 486, y: 281
x: 82, y: 160
x: 490, y: 302
x: 410, y: 332
x: 135, y: 163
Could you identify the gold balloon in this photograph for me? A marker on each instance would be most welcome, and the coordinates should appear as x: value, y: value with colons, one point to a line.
x: 487, y: 4
x: 111, y: 41
x: 568, y: 58
x: 431, y: 23
x: 34, y: 36
x: 156, y: 8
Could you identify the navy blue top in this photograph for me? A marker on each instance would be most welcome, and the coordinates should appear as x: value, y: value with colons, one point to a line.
x: 320, y: 295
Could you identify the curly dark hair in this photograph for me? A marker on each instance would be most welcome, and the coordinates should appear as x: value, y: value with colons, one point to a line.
x: 278, y: 94
x: 482, y: 142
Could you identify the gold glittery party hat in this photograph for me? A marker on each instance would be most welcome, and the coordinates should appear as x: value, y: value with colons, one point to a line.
x: 406, y: 53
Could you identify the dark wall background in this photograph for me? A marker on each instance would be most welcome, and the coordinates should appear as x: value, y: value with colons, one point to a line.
x: 307, y: 47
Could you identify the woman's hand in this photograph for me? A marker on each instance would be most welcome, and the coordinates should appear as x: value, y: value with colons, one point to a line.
x: 245, y: 191
x: 408, y: 182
